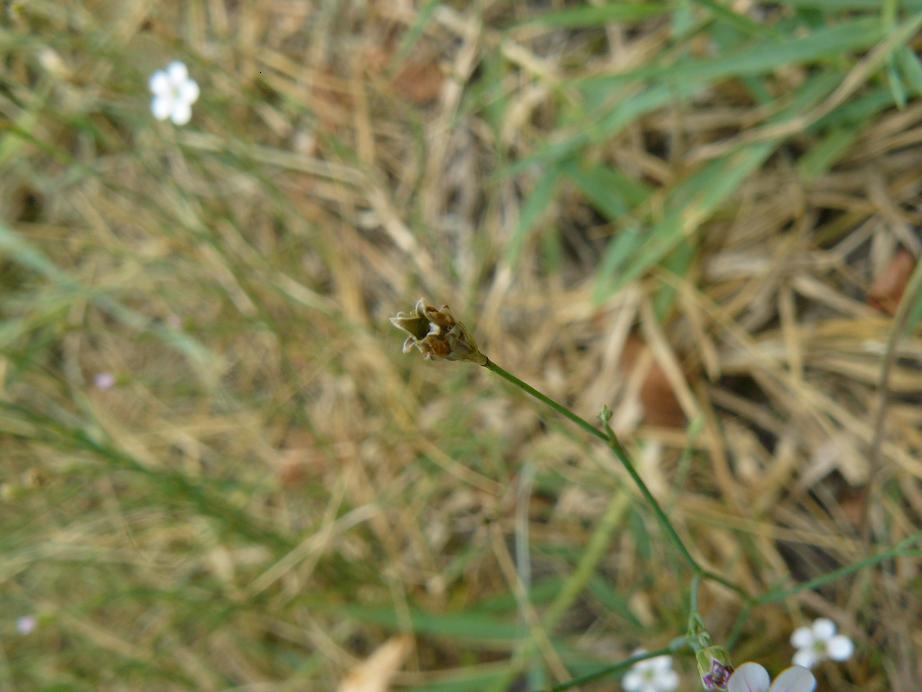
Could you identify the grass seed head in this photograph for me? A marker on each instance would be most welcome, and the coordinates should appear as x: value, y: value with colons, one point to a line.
x: 437, y: 334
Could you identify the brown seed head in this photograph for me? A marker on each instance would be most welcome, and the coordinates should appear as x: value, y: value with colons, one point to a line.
x: 437, y: 334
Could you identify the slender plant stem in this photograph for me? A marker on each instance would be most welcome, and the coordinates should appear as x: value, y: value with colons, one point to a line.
x: 615, y: 445
x: 617, y: 667
x: 738, y: 625
x: 713, y: 576
x: 902, y: 549
x: 543, y: 398
x: 575, y: 584
x: 585, y: 569
x: 693, y: 596
x: 694, y: 636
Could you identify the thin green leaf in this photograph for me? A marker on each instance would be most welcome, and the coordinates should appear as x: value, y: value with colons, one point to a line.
x: 632, y: 106
x: 464, y: 680
x: 625, y: 243
x: 590, y: 16
x: 911, y: 68
x: 612, y: 600
x: 679, y: 262
x: 913, y: 293
x: 535, y: 207
x: 466, y: 625
x: 202, y: 360
x: 846, y: 5
x: 413, y: 34
x: 758, y: 57
x: 719, y: 179
x: 690, y: 204
x: 610, y: 191
x: 823, y: 155
x: 734, y: 19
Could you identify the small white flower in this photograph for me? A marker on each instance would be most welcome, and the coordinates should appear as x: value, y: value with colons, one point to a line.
x: 820, y: 642
x: 652, y: 675
x: 103, y: 381
x: 26, y: 624
x: 174, y: 93
x: 751, y: 677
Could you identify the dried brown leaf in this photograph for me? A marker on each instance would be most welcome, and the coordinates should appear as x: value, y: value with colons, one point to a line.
x: 887, y: 290
x: 660, y: 404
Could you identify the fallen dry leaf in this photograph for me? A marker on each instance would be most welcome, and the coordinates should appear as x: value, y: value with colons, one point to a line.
x: 421, y: 82
x: 418, y: 80
x: 660, y: 405
x: 887, y: 290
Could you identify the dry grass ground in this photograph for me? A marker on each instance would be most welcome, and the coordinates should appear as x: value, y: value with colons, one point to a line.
x: 700, y: 213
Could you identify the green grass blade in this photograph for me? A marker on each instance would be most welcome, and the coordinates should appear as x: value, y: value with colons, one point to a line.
x: 202, y: 360
x: 538, y: 202
x: 758, y: 57
x: 610, y: 191
x: 846, y: 5
x: 911, y: 67
x: 823, y: 155
x: 590, y: 16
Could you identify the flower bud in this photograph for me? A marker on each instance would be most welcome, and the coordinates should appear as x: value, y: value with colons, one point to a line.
x: 714, y: 667
x: 436, y: 333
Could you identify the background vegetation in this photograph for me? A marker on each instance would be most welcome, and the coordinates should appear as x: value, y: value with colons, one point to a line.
x: 702, y: 213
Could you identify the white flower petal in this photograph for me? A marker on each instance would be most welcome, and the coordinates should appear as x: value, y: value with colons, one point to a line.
x: 633, y: 681
x: 159, y: 83
x: 806, y: 658
x: 189, y: 91
x: 104, y: 380
x: 802, y: 638
x: 661, y: 663
x: 824, y: 629
x: 177, y: 72
x: 182, y: 113
x: 794, y: 679
x: 667, y: 680
x: 26, y: 624
x: 840, y: 648
x: 749, y: 677
x: 161, y: 106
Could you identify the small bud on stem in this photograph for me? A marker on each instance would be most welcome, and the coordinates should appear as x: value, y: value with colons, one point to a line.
x: 714, y: 667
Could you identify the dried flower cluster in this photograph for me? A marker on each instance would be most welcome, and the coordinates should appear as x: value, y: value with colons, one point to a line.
x: 437, y: 334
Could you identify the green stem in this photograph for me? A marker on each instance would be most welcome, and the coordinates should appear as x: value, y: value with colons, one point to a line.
x: 615, y: 445
x: 574, y: 586
x: 696, y: 634
x: 901, y: 549
x: 608, y: 670
x: 560, y: 408
x: 585, y: 569
x: 713, y: 576
x: 693, y: 597
x: 737, y: 628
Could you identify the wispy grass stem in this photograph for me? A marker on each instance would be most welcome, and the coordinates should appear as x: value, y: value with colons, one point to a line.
x: 608, y: 436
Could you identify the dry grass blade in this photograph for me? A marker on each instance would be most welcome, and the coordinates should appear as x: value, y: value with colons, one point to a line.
x: 375, y: 673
